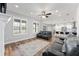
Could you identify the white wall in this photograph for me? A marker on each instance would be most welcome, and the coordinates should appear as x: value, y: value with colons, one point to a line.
x: 9, y: 37
x: 2, y: 25
x: 77, y: 20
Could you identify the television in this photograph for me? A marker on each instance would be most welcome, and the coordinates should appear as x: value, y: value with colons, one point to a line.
x: 74, y: 33
x: 66, y: 33
x: 61, y: 32
x: 57, y: 32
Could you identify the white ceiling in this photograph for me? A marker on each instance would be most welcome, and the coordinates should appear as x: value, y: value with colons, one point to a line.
x: 34, y: 9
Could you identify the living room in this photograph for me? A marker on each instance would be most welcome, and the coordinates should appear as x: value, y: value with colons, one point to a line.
x: 39, y: 29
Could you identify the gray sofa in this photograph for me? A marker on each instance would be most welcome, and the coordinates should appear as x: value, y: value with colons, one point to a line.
x: 45, y: 35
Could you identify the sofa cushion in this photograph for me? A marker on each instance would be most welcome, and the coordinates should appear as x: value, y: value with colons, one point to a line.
x: 60, y: 41
x: 55, y: 46
x: 56, y: 52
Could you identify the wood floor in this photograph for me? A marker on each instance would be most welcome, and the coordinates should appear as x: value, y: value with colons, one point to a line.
x: 31, y: 47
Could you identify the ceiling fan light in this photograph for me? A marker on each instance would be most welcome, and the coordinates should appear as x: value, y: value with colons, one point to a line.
x: 43, y: 16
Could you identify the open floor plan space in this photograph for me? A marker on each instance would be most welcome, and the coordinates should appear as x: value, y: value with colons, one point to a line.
x: 34, y: 47
x: 39, y: 29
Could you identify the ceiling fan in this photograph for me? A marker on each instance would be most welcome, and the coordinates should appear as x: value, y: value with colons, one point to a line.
x: 45, y: 15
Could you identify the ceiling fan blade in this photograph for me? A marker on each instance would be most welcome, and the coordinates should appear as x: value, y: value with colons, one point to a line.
x: 46, y: 16
x: 48, y: 13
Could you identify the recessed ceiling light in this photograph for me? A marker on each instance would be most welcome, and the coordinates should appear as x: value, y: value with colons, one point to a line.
x: 16, y: 6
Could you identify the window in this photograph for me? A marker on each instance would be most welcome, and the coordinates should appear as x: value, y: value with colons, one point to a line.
x: 23, y: 26
x: 16, y: 26
x: 19, y: 26
x: 44, y: 28
x: 35, y: 27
